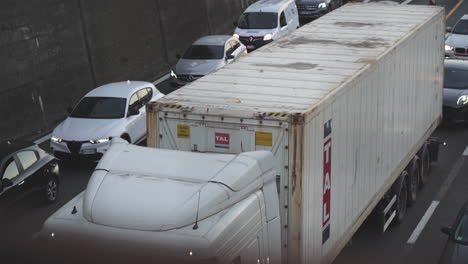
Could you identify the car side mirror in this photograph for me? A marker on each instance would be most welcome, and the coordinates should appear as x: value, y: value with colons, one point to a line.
x: 447, y: 230
x: 448, y: 29
x: 133, y: 112
x: 178, y: 56
x: 69, y: 110
x: 229, y: 56
x: 235, y: 23
x: 6, y: 183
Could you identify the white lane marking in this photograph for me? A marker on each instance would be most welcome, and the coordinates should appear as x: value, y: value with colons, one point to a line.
x: 465, y: 153
x: 407, y: 2
x: 420, y: 227
x: 43, y: 139
x: 440, y: 195
x: 162, y: 79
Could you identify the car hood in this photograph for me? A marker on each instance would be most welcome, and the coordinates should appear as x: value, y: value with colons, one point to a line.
x: 454, y: 253
x: 83, y: 129
x: 254, y: 32
x: 457, y: 40
x: 451, y: 96
x: 198, y: 67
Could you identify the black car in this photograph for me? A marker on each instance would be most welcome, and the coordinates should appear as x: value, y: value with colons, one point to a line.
x: 456, y: 247
x: 26, y: 169
x: 455, y: 104
x: 310, y: 9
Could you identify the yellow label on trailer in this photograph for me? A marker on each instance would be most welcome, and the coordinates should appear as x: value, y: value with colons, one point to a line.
x: 263, y: 139
x: 183, y: 131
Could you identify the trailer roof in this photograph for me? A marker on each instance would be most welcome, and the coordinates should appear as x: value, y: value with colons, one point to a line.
x: 296, y: 73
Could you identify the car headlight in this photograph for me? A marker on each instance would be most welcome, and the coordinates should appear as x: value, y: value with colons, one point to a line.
x: 267, y: 37
x: 322, y: 5
x: 462, y: 100
x: 235, y: 36
x: 448, y: 47
x: 102, y: 140
x: 56, y: 139
x: 173, y: 75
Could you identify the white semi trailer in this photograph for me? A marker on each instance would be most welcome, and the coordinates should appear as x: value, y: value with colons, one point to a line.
x: 346, y: 104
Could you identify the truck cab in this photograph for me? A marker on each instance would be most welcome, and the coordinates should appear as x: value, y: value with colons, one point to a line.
x: 194, y: 208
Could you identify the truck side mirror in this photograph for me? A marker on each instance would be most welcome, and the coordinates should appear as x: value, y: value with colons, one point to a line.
x: 234, y: 23
x: 448, y: 29
x: 69, y: 110
x: 447, y: 230
x: 178, y: 56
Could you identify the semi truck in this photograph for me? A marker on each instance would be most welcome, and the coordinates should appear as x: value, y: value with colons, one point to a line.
x: 346, y: 104
x: 280, y: 156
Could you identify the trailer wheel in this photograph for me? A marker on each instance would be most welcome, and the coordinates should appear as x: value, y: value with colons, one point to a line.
x: 413, y: 181
x: 425, y: 168
x: 401, y: 191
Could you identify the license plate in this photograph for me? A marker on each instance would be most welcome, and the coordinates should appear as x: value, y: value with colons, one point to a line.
x: 250, y: 46
x: 88, y: 151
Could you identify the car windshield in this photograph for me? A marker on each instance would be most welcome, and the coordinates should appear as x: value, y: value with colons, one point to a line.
x: 461, y: 27
x: 455, y: 78
x: 204, y: 52
x: 461, y: 233
x: 258, y: 20
x: 100, y: 107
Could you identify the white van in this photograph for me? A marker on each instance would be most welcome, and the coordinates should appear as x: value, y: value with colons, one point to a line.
x: 265, y: 21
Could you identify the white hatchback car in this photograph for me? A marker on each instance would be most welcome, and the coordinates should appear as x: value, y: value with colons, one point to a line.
x: 111, y: 110
x: 456, y: 40
x: 205, y: 55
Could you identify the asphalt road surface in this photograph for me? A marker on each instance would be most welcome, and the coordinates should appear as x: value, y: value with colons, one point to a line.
x: 448, y: 185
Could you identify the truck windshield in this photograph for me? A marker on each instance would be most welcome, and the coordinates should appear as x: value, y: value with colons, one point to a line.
x: 100, y: 108
x: 258, y: 20
x: 461, y: 27
x: 204, y: 52
x: 455, y: 78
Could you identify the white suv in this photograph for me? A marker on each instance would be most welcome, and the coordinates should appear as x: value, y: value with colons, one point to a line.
x: 111, y: 110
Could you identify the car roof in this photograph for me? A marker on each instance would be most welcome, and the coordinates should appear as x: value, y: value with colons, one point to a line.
x: 118, y: 89
x: 9, y: 147
x: 212, y: 40
x: 456, y: 63
x: 268, y: 6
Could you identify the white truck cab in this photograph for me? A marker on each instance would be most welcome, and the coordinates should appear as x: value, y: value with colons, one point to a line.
x: 195, y: 208
x: 265, y: 21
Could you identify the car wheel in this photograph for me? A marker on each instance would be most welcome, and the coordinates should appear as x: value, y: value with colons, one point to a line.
x: 413, y: 182
x: 402, y: 197
x: 51, y: 189
x: 126, y: 137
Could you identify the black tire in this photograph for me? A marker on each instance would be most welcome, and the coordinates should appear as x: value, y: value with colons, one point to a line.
x: 126, y: 137
x: 51, y: 189
x: 413, y: 181
x: 425, y: 166
x: 401, y: 191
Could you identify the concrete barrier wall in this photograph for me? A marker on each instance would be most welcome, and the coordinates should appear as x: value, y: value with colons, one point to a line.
x: 53, y: 52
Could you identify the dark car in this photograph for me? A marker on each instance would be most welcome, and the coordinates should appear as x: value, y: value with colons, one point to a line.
x: 455, y: 105
x: 310, y: 9
x: 26, y: 169
x: 456, y: 247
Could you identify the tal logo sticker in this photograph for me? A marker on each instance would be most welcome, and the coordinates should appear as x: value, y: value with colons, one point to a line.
x: 222, y: 140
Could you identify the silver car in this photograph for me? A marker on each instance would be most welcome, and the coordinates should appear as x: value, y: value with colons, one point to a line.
x: 456, y: 39
x: 206, y: 55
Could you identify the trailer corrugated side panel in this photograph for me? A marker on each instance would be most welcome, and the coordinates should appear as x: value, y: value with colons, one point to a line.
x: 374, y: 70
x: 378, y: 123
